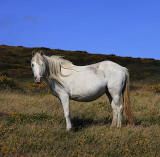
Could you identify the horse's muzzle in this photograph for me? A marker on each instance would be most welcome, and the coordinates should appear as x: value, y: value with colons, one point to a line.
x: 38, y: 80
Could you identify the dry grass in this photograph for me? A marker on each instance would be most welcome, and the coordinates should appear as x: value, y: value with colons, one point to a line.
x: 34, y: 125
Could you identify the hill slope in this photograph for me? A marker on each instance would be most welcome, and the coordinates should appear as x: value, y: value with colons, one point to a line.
x: 15, y: 62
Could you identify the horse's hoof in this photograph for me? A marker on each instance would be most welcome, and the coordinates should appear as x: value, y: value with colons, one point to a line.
x: 70, y: 129
x: 113, y: 127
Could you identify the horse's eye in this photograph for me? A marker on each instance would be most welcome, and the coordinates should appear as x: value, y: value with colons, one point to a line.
x: 32, y: 65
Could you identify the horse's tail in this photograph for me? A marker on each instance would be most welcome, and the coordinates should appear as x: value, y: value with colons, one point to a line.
x: 126, y: 99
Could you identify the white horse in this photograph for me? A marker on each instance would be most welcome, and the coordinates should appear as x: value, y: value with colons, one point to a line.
x: 84, y: 83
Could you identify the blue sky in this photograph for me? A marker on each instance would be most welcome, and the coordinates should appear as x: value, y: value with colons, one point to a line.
x: 120, y: 27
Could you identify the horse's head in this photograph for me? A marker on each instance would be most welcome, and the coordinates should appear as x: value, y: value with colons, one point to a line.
x: 38, y: 66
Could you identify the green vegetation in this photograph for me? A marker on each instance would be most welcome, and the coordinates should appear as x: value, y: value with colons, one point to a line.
x: 15, y: 61
x: 154, y: 88
x: 32, y: 122
x: 6, y: 82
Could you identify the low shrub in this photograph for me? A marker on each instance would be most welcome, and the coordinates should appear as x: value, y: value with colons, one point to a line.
x: 154, y: 88
x: 6, y: 82
x: 43, y: 87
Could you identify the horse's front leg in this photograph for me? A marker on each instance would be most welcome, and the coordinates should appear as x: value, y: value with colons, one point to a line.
x: 64, y: 98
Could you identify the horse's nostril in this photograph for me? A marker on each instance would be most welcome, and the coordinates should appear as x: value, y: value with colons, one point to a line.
x: 38, y: 79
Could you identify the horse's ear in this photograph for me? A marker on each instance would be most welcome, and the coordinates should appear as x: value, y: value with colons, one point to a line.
x: 41, y: 53
x: 33, y: 53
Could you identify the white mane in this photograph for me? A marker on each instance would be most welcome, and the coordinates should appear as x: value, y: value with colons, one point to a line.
x: 55, y: 65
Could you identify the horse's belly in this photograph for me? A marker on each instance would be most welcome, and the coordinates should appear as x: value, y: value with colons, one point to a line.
x: 86, y: 86
x: 87, y: 95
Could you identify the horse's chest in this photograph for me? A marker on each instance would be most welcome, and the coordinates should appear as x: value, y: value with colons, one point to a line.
x: 54, y: 88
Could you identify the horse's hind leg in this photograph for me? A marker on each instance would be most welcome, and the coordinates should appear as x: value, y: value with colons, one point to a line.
x: 119, y: 109
x: 115, y: 100
x: 115, y: 116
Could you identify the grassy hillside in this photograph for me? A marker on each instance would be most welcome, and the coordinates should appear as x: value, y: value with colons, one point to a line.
x: 15, y: 61
x: 32, y: 121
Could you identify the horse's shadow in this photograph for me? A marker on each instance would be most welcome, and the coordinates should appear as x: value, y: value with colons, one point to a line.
x: 80, y: 123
